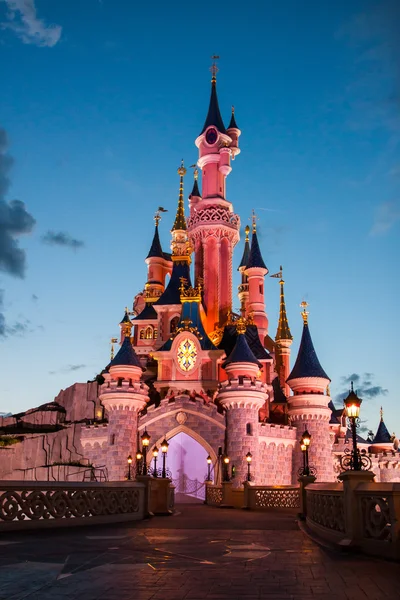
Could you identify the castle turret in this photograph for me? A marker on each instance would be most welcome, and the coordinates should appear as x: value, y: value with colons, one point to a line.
x: 125, y: 326
x: 243, y: 288
x: 158, y: 264
x: 212, y: 225
x: 283, y: 339
x: 234, y: 132
x: 383, y: 441
x: 123, y: 395
x: 255, y: 272
x: 308, y: 407
x: 242, y: 395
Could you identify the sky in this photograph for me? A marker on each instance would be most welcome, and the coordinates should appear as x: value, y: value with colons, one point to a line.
x: 101, y: 99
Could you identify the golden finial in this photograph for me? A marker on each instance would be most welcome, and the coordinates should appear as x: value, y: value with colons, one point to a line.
x: 254, y: 220
x: 233, y: 110
x: 214, y: 69
x: 247, y: 232
x: 182, y: 170
x: 240, y: 325
x: 304, y: 312
x: 112, y: 342
x: 381, y: 413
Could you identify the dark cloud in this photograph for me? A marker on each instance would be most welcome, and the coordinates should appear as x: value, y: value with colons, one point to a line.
x: 61, y: 238
x: 14, y: 222
x: 14, y: 219
x: 364, y: 386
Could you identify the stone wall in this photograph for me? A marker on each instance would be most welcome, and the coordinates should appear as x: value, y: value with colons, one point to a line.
x: 242, y: 437
x: 277, y: 444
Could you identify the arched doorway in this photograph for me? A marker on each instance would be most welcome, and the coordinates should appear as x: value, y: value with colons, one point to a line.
x: 188, y: 465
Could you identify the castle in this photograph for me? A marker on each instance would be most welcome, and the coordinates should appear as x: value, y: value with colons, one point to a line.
x: 188, y: 364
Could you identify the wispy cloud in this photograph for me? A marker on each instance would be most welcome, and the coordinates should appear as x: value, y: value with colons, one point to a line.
x: 387, y: 214
x: 61, y: 238
x: 67, y: 369
x: 23, y: 20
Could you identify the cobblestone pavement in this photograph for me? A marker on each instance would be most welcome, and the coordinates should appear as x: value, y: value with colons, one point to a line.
x: 201, y: 552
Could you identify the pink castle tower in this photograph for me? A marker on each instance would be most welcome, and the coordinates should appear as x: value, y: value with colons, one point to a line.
x: 242, y: 395
x: 123, y: 395
x: 213, y: 227
x: 243, y: 288
x: 283, y: 340
x: 255, y: 272
x: 308, y: 407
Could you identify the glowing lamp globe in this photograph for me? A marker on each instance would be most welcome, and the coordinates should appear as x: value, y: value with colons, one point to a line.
x: 164, y: 446
x: 209, y: 461
x: 145, y: 439
x: 249, y: 456
x: 155, y: 452
x: 306, y: 438
x: 352, y: 405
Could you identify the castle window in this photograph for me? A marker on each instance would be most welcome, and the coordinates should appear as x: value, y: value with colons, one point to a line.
x: 261, y: 288
x: 112, y: 440
x: 249, y: 429
x: 141, y: 335
x: 148, y: 333
x: 155, y: 334
x: 173, y: 324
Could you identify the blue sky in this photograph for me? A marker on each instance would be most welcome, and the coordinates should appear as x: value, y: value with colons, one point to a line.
x: 101, y: 100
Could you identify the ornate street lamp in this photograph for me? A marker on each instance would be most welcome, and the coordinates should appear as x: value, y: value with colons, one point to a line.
x: 249, y: 457
x: 305, y: 442
x: 145, y: 443
x: 155, y: 454
x: 129, y: 467
x: 354, y: 460
x: 209, y: 461
x: 139, y: 457
x: 226, y: 472
x: 164, y: 450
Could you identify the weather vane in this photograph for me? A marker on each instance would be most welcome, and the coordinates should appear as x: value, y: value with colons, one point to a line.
x: 214, y: 69
x: 112, y: 342
x: 196, y: 171
x: 254, y: 220
x: 157, y: 215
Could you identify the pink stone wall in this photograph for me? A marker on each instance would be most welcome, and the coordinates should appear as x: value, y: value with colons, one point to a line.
x: 276, y: 453
x: 239, y: 442
x: 320, y: 452
x: 122, y: 442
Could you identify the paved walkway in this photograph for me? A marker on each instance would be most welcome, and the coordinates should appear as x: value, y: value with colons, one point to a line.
x: 200, y: 553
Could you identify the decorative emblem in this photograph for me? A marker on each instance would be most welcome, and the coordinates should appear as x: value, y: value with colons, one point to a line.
x: 181, y: 417
x: 187, y: 354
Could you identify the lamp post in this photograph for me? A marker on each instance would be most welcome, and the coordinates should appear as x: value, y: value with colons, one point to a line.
x: 139, y: 457
x: 352, y: 405
x: 145, y: 443
x: 129, y: 466
x: 209, y: 461
x: 248, y: 458
x: 155, y: 454
x: 164, y: 450
x: 226, y: 472
x: 304, y: 445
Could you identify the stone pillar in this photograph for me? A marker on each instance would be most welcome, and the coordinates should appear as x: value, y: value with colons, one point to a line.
x: 352, y: 516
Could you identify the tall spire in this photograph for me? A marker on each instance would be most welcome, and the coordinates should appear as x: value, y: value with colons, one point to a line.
x: 255, y: 257
x: 307, y: 363
x: 283, y: 330
x: 180, y: 222
x: 246, y: 251
x: 155, y: 248
x: 214, y: 114
x: 232, y: 122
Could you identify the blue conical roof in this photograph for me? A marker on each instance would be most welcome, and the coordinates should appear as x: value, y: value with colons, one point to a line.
x: 125, y: 355
x: 255, y: 257
x: 246, y: 255
x: 172, y: 293
x: 155, y: 248
x: 241, y: 353
x: 382, y: 435
x: 307, y: 363
x: 214, y: 114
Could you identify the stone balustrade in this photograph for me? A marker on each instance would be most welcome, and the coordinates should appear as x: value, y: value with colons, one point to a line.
x: 357, y: 513
x: 35, y: 504
x: 257, y: 497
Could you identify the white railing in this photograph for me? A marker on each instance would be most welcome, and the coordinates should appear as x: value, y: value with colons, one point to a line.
x: 33, y: 504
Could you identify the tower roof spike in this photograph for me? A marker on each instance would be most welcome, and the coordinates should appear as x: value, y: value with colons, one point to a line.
x: 195, y: 190
x: 180, y: 222
x: 283, y: 331
x: 255, y: 256
x: 214, y: 114
x: 232, y: 122
x: 307, y: 363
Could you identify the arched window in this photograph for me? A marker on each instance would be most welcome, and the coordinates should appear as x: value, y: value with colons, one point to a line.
x: 155, y: 334
x: 173, y: 324
x: 149, y: 333
x: 141, y: 335
x: 249, y: 429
